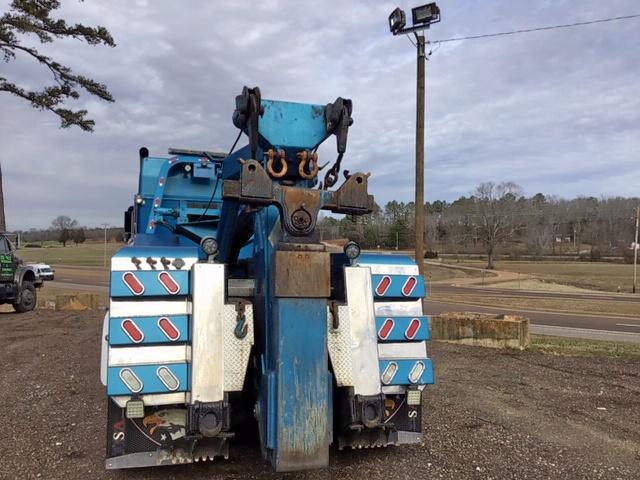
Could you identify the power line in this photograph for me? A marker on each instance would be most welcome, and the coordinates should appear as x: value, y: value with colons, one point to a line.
x: 536, y: 29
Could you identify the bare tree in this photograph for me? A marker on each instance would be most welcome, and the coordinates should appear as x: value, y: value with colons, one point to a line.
x: 63, y: 225
x: 61, y: 222
x: 26, y: 17
x: 499, y: 211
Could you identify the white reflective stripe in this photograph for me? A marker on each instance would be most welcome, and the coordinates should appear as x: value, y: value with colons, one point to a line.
x: 207, y: 361
x: 384, y: 269
x: 142, y: 308
x: 121, y: 356
x: 411, y: 308
x: 398, y: 351
x: 119, y: 264
x: 394, y: 389
x: 156, y: 399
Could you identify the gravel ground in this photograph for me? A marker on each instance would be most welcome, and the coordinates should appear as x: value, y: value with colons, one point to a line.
x: 492, y: 414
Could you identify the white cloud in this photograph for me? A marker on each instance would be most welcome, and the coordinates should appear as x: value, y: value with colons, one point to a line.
x: 556, y: 111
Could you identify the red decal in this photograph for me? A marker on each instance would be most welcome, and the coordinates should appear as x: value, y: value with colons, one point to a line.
x: 132, y: 330
x: 383, y: 285
x: 169, y: 329
x: 132, y: 283
x: 412, y: 329
x: 409, y: 285
x: 169, y: 283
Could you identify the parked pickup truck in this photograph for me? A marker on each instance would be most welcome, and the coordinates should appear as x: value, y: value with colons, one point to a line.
x: 42, y: 271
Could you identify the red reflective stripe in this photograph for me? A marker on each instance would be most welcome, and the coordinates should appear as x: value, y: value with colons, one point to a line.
x: 132, y: 330
x: 157, y: 202
x: 132, y: 283
x: 412, y: 329
x: 161, y: 182
x: 386, y: 328
x: 409, y: 285
x: 169, y: 329
x: 169, y: 283
x: 383, y: 285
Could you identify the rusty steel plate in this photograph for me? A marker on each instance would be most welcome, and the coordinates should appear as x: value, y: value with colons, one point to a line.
x: 302, y: 274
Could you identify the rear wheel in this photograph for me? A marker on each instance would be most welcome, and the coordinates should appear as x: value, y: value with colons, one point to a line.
x: 27, y: 298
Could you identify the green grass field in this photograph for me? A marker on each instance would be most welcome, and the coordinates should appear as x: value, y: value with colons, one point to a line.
x: 88, y: 254
x: 579, y: 347
x: 592, y: 275
x: 436, y: 273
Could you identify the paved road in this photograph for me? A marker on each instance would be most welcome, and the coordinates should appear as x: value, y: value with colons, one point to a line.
x: 511, y: 293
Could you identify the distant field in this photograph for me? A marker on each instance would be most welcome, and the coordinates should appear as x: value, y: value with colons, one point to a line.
x: 89, y: 254
x: 436, y: 273
x: 592, y: 275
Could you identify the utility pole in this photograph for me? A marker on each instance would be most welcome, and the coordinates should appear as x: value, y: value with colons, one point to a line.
x: 423, y: 17
x: 105, y: 226
x: 419, y: 207
x: 635, y: 251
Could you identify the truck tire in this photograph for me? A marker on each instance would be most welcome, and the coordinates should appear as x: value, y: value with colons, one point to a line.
x: 27, y: 299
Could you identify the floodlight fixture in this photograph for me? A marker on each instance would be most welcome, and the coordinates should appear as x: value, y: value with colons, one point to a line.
x: 422, y: 16
x: 426, y: 14
x: 397, y: 20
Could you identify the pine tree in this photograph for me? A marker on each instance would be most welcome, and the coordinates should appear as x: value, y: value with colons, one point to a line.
x: 33, y: 17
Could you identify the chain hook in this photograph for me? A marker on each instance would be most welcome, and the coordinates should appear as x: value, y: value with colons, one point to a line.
x: 241, y: 322
x: 271, y: 156
x: 302, y: 170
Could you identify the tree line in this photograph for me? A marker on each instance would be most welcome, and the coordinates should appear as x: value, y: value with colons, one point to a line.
x: 65, y: 229
x: 499, y: 218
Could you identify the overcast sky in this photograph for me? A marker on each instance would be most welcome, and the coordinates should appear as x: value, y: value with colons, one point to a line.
x: 557, y: 112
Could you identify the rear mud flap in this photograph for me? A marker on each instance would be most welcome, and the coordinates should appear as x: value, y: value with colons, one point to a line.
x: 157, y: 439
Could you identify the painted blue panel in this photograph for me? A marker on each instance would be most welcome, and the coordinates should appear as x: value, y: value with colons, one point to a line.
x: 149, y: 378
x: 149, y: 176
x: 150, y: 329
x: 382, y: 259
x: 300, y: 360
x: 395, y: 289
x: 400, y: 325
x: 404, y: 368
x: 157, y: 252
x: 288, y: 124
x: 151, y: 282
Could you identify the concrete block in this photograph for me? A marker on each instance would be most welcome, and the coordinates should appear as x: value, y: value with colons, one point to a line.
x: 469, y: 328
x: 77, y: 301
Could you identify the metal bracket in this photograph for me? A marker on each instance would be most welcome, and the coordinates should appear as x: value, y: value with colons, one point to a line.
x: 298, y: 206
x: 246, y: 115
x: 208, y: 419
x: 338, y: 120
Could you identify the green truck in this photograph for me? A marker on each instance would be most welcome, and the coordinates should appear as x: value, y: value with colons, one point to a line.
x: 18, y: 283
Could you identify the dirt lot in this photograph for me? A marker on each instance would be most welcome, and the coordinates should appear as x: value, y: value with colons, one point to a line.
x: 492, y: 414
